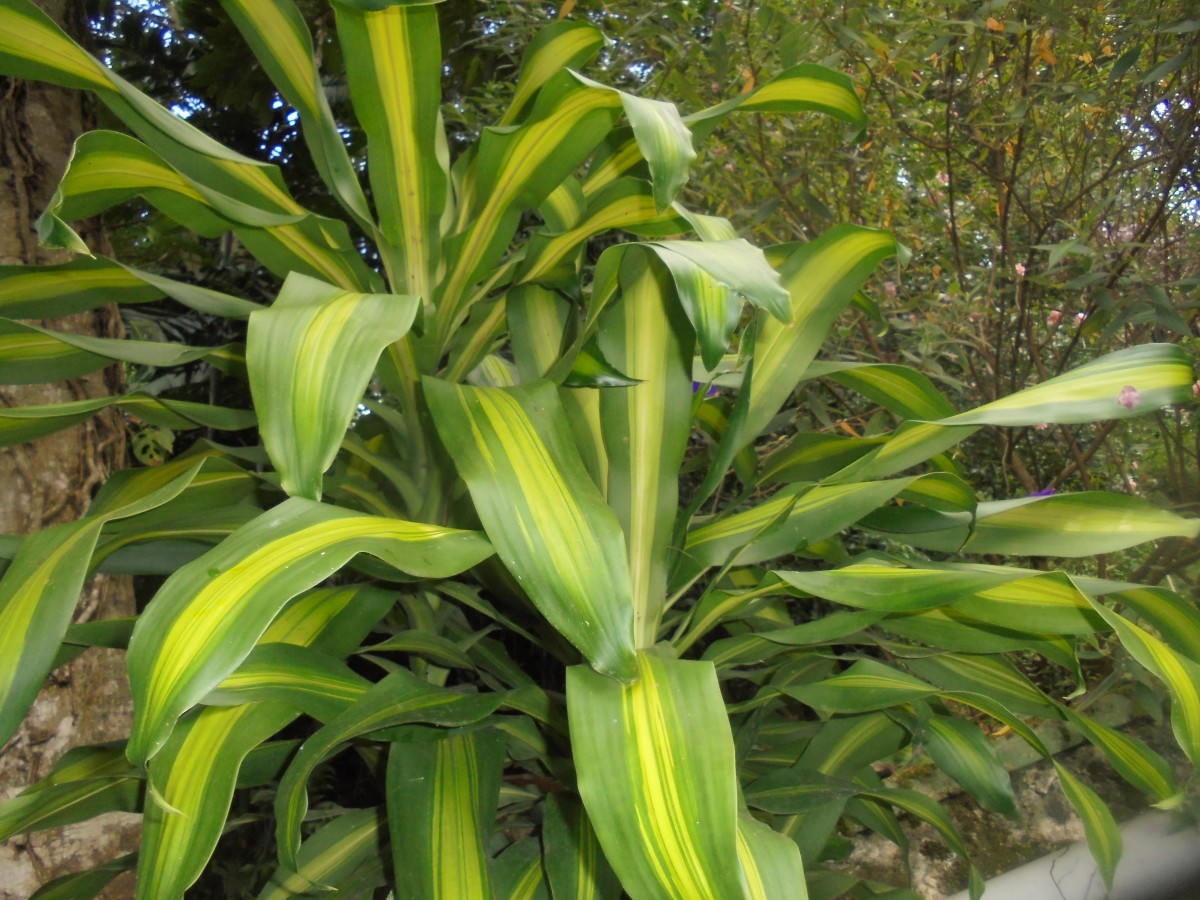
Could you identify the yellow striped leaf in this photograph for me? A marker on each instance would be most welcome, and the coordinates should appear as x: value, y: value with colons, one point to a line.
x: 551, y: 528
x: 400, y: 699
x: 457, y: 779
x: 771, y: 864
x: 575, y: 864
x: 655, y: 766
x: 310, y: 357
x: 39, y: 591
x: 560, y: 45
x: 394, y: 67
x: 279, y: 38
x: 343, y: 855
x: 205, y: 620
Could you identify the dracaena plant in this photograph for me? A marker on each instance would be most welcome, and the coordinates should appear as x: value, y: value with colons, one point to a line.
x: 494, y: 456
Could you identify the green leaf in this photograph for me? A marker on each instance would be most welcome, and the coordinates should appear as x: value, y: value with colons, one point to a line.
x: 771, y: 864
x: 962, y: 751
x: 575, y: 864
x: 399, y: 699
x: 864, y: 687
x: 457, y: 777
x: 1180, y: 674
x: 517, y: 873
x: 310, y: 357
x: 821, y: 278
x: 85, y: 782
x: 802, y: 88
x: 204, y: 621
x: 658, y: 753
x: 38, y: 594
x: 646, y: 430
x: 1103, y: 836
x: 1071, y: 525
x: 192, y: 779
x: 21, y: 424
x: 560, y: 45
x: 84, y: 885
x: 317, y: 683
x: 280, y: 41
x: 394, y: 67
x: 551, y: 528
x: 1157, y: 374
x: 1133, y: 760
x: 341, y: 855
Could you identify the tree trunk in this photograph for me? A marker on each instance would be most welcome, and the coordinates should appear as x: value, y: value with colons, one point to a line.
x: 52, y: 481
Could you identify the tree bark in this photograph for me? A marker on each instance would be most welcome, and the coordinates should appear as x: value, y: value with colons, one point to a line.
x: 52, y: 481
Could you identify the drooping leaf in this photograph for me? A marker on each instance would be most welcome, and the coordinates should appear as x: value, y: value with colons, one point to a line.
x: 207, y: 617
x: 310, y: 357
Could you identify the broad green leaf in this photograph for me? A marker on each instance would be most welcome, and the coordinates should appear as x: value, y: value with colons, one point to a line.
x: 655, y: 765
x: 206, y: 618
x: 992, y: 676
x: 399, y: 699
x: 84, y: 885
x: 550, y: 526
x: 192, y: 779
x: 1081, y: 524
x: 21, y: 424
x: 792, y: 518
x: 796, y: 790
x: 864, y: 687
x: 898, y: 389
x: 394, y: 67
x: 107, y: 168
x: 771, y: 864
x: 340, y: 855
x: 1048, y: 604
x: 711, y: 277
x: 843, y: 746
x: 310, y: 357
x: 38, y: 594
x: 316, y: 683
x: 646, y: 431
x: 85, y: 782
x: 627, y: 204
x: 812, y: 456
x: 962, y: 751
x: 36, y: 47
x: 575, y: 864
x: 517, y: 873
x: 457, y: 779
x: 279, y: 38
x: 30, y: 354
x: 801, y: 88
x: 821, y: 277
x: 1156, y: 374
x: 1176, y: 618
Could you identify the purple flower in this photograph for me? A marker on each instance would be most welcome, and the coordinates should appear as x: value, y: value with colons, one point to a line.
x: 711, y: 392
x: 1129, y: 397
x: 1044, y: 492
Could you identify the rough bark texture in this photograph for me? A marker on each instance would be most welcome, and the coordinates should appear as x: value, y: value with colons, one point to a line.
x: 52, y: 481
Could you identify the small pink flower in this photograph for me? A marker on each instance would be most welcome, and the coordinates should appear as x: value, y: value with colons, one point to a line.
x: 889, y: 288
x: 1196, y: 389
x: 1129, y: 397
x: 1055, y: 316
x: 1020, y: 267
x: 1080, y: 318
x: 1041, y: 426
x: 943, y: 178
x: 1132, y: 482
